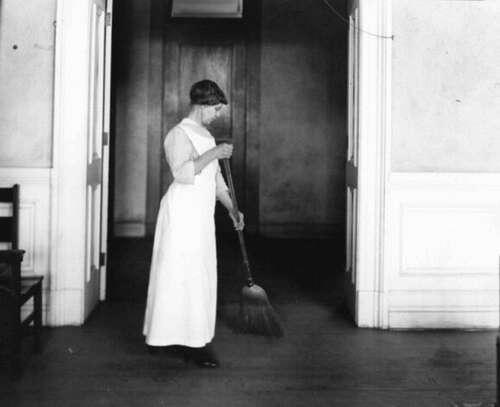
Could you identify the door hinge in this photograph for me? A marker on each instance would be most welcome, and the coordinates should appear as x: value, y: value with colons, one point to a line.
x: 108, y: 18
x: 102, y: 259
x: 105, y: 138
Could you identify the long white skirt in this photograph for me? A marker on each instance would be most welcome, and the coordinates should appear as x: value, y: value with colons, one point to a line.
x: 182, y: 292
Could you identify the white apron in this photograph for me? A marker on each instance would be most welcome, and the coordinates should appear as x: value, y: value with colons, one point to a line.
x: 182, y: 291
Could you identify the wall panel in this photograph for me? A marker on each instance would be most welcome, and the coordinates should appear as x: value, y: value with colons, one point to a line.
x: 34, y: 214
x: 443, y: 250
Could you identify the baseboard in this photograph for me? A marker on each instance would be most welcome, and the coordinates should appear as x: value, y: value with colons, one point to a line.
x: 129, y: 229
x: 486, y: 318
x: 302, y: 230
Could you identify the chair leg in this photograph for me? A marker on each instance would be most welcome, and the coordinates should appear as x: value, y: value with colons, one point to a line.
x: 37, y: 303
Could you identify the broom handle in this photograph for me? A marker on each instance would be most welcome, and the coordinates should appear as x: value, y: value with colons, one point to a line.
x: 241, y: 238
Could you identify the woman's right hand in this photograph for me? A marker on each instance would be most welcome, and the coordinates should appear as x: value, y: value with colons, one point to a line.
x: 223, y: 150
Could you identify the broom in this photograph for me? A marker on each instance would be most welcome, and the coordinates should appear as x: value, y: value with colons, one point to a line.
x: 256, y: 314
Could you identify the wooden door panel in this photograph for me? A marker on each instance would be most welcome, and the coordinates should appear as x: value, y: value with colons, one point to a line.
x: 197, y: 62
x: 196, y: 51
x: 231, y: 51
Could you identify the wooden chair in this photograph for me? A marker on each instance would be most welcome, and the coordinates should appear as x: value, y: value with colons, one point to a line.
x: 16, y: 290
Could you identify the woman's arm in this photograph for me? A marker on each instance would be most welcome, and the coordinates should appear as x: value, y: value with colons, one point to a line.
x: 225, y: 199
x: 237, y: 218
x: 223, y: 150
x: 180, y: 156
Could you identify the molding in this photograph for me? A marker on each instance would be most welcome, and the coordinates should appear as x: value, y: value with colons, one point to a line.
x: 34, y: 216
x: 455, y: 214
x: 365, y: 317
x: 445, y: 180
x: 446, y: 278
x: 436, y: 318
x: 66, y: 307
x: 375, y: 108
x: 69, y: 176
x: 32, y: 176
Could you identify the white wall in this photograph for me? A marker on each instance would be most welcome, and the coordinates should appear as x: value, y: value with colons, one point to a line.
x: 442, y: 230
x: 27, y: 38
x: 26, y: 82
x: 446, y: 85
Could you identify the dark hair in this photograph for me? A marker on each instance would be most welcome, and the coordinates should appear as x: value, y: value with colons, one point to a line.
x: 207, y: 92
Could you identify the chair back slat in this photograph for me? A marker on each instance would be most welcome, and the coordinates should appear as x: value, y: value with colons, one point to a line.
x: 6, y: 229
x: 9, y: 225
x: 6, y: 194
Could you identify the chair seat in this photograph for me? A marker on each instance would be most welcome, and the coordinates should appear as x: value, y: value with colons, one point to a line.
x: 29, y: 285
x: 16, y: 290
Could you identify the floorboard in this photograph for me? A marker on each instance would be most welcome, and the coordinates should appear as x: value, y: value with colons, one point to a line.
x: 323, y: 360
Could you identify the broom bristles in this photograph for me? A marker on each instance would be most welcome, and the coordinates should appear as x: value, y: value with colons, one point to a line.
x: 257, y: 316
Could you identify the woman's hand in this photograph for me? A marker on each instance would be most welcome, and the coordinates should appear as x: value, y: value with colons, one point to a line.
x: 238, y: 220
x: 223, y: 150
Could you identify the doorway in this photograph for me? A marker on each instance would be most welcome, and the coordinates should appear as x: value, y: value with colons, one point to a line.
x: 286, y: 79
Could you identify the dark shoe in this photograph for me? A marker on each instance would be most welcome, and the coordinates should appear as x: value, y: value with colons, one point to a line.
x: 203, y: 357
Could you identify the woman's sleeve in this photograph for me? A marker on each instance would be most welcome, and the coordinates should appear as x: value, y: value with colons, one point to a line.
x: 219, y: 181
x: 179, y: 152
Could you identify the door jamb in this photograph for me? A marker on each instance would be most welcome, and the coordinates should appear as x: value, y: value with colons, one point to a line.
x: 69, y: 164
x: 375, y: 80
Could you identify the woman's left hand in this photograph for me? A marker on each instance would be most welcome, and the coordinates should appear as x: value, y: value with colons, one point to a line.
x: 238, y: 220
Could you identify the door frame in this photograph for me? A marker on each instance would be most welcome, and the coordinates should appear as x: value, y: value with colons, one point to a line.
x: 69, y: 169
x: 68, y: 179
x: 373, y: 112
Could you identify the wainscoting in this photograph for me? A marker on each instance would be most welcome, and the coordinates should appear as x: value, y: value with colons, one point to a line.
x: 34, y: 214
x: 442, y: 250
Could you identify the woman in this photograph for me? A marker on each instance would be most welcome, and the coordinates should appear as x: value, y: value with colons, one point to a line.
x: 182, y: 291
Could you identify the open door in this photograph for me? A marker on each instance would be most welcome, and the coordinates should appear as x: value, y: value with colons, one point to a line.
x: 97, y: 155
x: 352, y: 160
x: 105, y: 149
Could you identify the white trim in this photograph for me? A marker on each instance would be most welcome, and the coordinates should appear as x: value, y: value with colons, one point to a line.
x: 19, y: 175
x: 374, y: 159
x: 68, y: 179
x: 65, y: 307
x: 446, y: 180
x: 106, y: 147
x: 443, y: 319
x: 34, y: 214
x: 444, y: 239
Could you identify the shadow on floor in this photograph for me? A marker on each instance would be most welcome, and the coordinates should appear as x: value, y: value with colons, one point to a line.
x: 286, y: 268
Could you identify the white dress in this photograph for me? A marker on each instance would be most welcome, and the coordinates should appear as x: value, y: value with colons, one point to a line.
x: 182, y: 292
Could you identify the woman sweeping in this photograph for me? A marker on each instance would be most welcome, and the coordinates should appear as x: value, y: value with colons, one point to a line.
x: 181, y: 303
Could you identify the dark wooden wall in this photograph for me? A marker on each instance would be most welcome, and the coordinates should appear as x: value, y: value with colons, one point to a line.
x: 296, y: 124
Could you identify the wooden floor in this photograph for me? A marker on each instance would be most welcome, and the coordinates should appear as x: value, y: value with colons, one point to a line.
x: 322, y: 361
